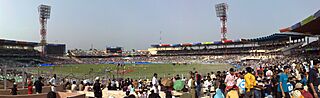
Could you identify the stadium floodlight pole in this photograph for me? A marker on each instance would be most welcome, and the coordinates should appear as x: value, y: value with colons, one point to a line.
x: 221, y: 11
x: 44, y: 15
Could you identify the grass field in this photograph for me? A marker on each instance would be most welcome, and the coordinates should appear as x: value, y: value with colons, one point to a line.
x: 84, y: 71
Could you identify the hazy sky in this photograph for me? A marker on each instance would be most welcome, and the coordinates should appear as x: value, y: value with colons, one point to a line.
x: 137, y: 23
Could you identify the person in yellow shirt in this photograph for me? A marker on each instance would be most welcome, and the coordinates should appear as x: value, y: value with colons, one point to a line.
x: 250, y: 83
x: 233, y: 93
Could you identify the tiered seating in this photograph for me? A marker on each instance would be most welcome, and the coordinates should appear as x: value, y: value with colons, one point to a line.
x: 94, y: 52
x: 18, y: 52
x: 313, y: 45
x: 220, y: 51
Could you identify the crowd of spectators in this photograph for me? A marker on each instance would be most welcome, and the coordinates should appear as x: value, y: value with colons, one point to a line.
x: 91, y: 52
x: 279, y: 77
x: 288, y: 77
x: 275, y: 77
x: 162, y: 59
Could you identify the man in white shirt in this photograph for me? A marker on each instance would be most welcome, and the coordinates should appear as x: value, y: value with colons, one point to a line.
x: 189, y: 83
x: 230, y: 79
x: 240, y: 83
x: 269, y: 73
x: 117, y: 85
x: 184, y: 79
x: 74, y: 86
x: 293, y: 65
x: 212, y: 76
x: 207, y: 86
x: 155, y: 83
x: 52, y: 83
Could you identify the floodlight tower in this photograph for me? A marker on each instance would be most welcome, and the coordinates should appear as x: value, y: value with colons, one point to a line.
x: 44, y: 13
x: 221, y: 11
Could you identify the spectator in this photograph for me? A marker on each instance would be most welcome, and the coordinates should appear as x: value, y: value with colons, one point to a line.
x: 52, y: 83
x: 192, y: 86
x: 198, y: 84
x: 51, y: 94
x: 301, y: 92
x: 212, y: 76
x: 87, y: 87
x: 14, y: 89
x: 81, y: 86
x: 233, y: 93
x: 127, y: 94
x: 269, y: 73
x: 283, y: 91
x: 230, y: 79
x: 74, y: 86
x: 313, y: 80
x: 259, y: 87
x: 30, y: 85
x: 153, y: 95
x: 38, y: 85
x: 250, y: 82
x: 219, y: 93
x: 97, y: 88
x: 155, y: 83
x: 240, y: 84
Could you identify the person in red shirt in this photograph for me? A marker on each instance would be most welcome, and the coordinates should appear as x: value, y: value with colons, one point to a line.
x: 304, y: 93
x: 30, y: 85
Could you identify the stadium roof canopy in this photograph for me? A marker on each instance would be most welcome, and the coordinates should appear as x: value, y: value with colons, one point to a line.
x: 310, y: 25
x: 56, y: 44
x: 17, y: 43
x: 25, y: 43
x: 274, y: 37
x: 277, y: 37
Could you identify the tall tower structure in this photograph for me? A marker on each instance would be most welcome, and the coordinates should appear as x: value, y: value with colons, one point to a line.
x: 44, y: 15
x: 221, y: 11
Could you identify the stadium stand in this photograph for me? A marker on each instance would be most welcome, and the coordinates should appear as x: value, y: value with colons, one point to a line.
x: 17, y: 48
x: 275, y: 43
x: 309, y: 26
x: 313, y: 45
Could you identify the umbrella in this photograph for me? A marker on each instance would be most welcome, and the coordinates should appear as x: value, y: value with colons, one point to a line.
x: 166, y: 82
x: 178, y: 85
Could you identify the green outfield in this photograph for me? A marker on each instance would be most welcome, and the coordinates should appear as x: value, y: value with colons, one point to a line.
x: 84, y: 71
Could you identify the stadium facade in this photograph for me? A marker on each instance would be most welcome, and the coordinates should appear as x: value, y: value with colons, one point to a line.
x: 14, y: 48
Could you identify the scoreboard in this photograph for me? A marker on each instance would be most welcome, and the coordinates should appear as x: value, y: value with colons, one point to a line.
x: 55, y: 49
x: 114, y: 49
